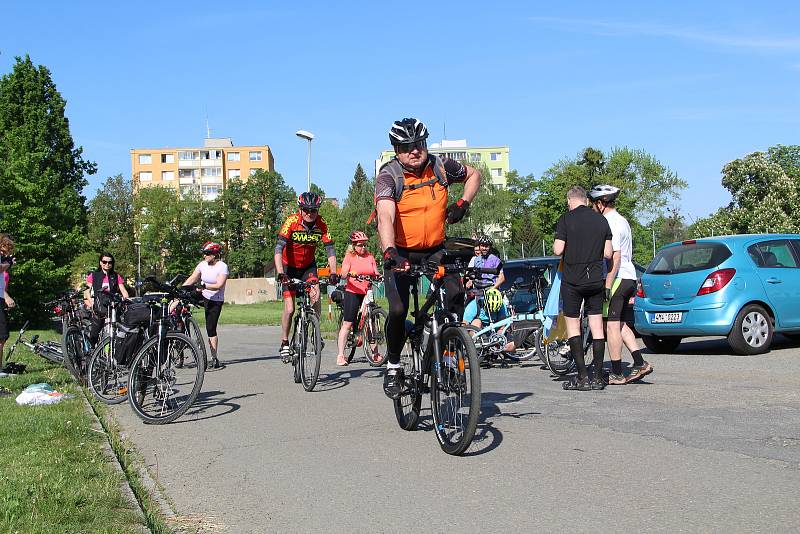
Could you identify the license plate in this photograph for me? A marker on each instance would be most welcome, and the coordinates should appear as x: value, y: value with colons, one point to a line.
x: 671, y: 317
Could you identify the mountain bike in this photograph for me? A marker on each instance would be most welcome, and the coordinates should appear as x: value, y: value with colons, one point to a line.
x: 305, y: 345
x: 440, y: 358
x: 368, y: 328
x: 49, y: 350
x: 181, y: 319
x: 166, y: 373
x: 75, y: 324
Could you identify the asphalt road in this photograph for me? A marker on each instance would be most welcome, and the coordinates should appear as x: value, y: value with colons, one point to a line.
x: 709, y: 442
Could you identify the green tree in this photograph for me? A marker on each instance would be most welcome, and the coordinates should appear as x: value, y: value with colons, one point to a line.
x: 268, y: 200
x: 110, y: 225
x: 42, y: 175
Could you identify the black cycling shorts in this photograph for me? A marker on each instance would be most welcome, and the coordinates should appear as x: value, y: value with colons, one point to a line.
x: 3, y: 322
x: 213, y: 309
x: 301, y: 273
x: 352, y: 303
x: 620, y: 299
x: 592, y: 295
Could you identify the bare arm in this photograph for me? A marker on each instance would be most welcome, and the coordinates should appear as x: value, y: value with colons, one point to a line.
x: 123, y: 292
x: 616, y: 259
x: 193, y: 278
x: 386, y: 214
x: 558, y: 246
x: 332, y: 263
x: 608, y: 252
x: 221, y: 279
x: 500, y: 279
x: 471, y: 183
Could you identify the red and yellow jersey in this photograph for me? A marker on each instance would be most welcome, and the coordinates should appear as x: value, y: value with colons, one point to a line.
x: 301, y: 241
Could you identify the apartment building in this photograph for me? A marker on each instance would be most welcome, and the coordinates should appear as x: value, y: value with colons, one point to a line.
x: 494, y: 157
x: 204, y: 170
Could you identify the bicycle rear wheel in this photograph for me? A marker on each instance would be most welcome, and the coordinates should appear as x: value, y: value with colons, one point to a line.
x: 528, y: 346
x: 558, y: 357
x: 350, y: 344
x: 375, y: 337
x: 72, y: 347
x: 310, y: 352
x: 196, y: 335
x: 107, y: 380
x: 160, y: 391
x: 407, y: 406
x: 456, y: 401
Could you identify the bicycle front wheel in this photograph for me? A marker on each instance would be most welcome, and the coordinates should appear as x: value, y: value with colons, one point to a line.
x: 310, y: 352
x: 107, y: 380
x: 72, y: 347
x: 160, y: 390
x: 375, y: 337
x: 456, y: 399
x: 407, y: 406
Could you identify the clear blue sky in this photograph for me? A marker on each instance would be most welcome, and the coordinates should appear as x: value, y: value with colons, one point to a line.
x: 696, y: 84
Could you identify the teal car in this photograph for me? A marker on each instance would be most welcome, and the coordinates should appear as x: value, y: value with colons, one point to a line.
x: 743, y: 287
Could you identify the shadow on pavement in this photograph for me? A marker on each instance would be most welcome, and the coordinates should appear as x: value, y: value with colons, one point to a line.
x: 251, y: 359
x: 331, y: 381
x: 211, y: 399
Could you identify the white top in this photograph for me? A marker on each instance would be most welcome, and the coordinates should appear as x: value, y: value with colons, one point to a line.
x: 622, y: 241
x: 2, y: 285
x: 209, y: 275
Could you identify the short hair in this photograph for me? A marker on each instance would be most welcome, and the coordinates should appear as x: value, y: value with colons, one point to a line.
x: 577, y: 193
x: 6, y: 244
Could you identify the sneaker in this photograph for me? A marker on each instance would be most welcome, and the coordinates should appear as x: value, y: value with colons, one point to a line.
x: 639, y: 371
x: 393, y: 382
x: 577, y: 384
x: 341, y: 360
x: 215, y: 364
x: 598, y: 383
x: 616, y: 380
x: 285, y: 353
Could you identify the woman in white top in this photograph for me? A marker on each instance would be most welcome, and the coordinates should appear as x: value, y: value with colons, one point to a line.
x: 212, y: 273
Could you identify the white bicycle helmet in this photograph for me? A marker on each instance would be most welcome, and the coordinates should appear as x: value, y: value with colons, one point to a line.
x: 604, y: 192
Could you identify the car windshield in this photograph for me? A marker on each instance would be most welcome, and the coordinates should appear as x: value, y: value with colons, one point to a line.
x: 689, y: 257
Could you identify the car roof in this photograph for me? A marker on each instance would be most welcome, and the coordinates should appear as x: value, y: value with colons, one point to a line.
x: 736, y: 238
x: 539, y: 260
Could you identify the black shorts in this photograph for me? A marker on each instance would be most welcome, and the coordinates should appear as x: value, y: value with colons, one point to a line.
x: 352, y: 303
x: 620, y: 299
x: 592, y: 295
x: 213, y: 309
x: 3, y: 322
x: 301, y: 273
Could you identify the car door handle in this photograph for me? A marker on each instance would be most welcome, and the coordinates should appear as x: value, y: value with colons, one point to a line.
x: 774, y: 280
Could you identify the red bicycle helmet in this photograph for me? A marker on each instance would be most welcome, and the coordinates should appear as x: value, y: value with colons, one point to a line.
x: 358, y: 235
x: 309, y: 200
x: 212, y: 248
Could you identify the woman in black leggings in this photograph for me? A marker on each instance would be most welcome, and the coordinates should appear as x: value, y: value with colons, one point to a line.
x: 212, y: 273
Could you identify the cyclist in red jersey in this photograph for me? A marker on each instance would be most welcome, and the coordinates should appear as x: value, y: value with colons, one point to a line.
x: 294, y: 257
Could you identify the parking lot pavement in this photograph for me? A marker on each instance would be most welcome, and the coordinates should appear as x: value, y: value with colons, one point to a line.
x: 708, y: 442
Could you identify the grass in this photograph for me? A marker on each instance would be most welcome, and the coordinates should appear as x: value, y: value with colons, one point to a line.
x: 55, y: 475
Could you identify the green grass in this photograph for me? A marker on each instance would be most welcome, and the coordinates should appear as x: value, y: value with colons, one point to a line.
x: 55, y: 476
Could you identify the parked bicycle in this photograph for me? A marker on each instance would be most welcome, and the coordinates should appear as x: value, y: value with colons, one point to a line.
x: 440, y: 358
x: 181, y: 319
x: 166, y: 373
x: 49, y: 350
x: 75, y: 323
x: 305, y: 345
x: 368, y: 329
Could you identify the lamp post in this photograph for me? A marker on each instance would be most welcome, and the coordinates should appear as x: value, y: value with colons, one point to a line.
x: 308, y: 136
x: 138, y: 266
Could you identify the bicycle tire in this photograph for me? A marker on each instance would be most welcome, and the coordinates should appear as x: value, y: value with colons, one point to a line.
x: 375, y: 334
x: 295, y: 349
x: 158, y: 394
x: 311, y: 352
x: 195, y: 334
x: 482, y: 353
x: 107, y: 381
x: 407, y: 406
x: 456, y: 401
x: 530, y: 346
x: 72, y: 348
x: 350, y: 343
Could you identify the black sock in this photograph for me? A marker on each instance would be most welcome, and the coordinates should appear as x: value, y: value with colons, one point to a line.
x: 598, y: 355
x: 576, y: 347
x: 616, y: 367
x: 637, y: 358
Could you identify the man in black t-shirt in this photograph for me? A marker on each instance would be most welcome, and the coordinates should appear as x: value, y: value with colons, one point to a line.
x: 583, y: 239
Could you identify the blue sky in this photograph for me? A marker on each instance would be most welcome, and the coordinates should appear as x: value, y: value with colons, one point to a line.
x: 696, y: 84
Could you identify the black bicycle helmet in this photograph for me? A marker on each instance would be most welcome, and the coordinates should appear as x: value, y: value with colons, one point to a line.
x: 604, y: 192
x: 407, y: 131
x: 309, y: 200
x: 484, y: 240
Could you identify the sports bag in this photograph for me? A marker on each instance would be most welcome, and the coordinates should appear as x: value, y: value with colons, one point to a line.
x: 126, y: 343
x: 136, y: 314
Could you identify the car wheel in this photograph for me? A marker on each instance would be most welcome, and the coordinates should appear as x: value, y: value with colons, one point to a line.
x: 752, y: 331
x: 661, y: 344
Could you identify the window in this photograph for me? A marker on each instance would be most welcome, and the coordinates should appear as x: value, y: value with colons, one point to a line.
x: 775, y: 254
x: 474, y: 157
x: 495, y: 156
x: 211, y: 171
x: 234, y: 156
x: 255, y: 156
x: 497, y: 173
x: 689, y: 258
x: 145, y: 159
x: 146, y: 176
x: 188, y: 173
x: 186, y: 189
x: 253, y: 171
x: 188, y: 155
x: 210, y: 154
x: 167, y: 158
x: 233, y: 174
x: 210, y: 190
x: 167, y: 175
x: 458, y: 156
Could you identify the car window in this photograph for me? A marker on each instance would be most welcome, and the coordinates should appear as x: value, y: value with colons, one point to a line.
x: 688, y: 257
x: 777, y: 254
x: 755, y: 255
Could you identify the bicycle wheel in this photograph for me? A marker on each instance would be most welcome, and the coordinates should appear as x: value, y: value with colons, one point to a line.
x: 528, y: 346
x: 107, y: 380
x: 72, y: 348
x: 406, y: 408
x: 295, y: 349
x: 375, y: 337
x: 558, y: 357
x: 192, y: 330
x: 456, y: 400
x: 310, y: 352
x: 160, y: 391
x: 481, y: 342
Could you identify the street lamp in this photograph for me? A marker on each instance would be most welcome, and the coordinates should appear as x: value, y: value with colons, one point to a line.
x: 138, y: 266
x: 308, y: 136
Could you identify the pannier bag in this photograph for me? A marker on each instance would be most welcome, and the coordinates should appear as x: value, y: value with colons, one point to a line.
x: 136, y: 314
x: 126, y: 343
x: 337, y: 296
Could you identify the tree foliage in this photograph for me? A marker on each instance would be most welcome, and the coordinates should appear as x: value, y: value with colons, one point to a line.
x: 42, y: 174
x: 110, y: 226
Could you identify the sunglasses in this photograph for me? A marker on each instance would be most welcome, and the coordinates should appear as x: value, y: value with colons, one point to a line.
x: 309, y: 211
x: 359, y: 244
x: 409, y: 147
x: 104, y: 262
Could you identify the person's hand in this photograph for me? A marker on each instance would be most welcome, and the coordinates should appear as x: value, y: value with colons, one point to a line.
x: 334, y: 278
x: 283, y: 278
x: 10, y: 302
x: 608, y: 294
x: 393, y: 260
x: 457, y: 211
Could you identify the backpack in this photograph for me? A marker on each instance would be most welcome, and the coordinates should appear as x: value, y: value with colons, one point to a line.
x: 396, y: 170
